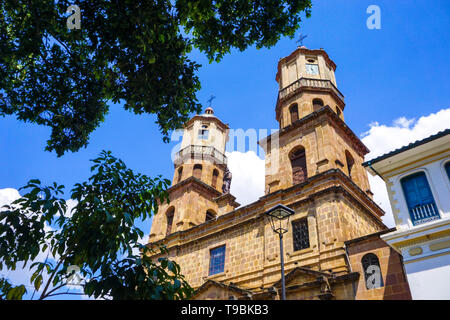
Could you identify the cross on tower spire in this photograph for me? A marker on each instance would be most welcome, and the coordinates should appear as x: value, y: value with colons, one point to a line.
x: 301, y: 38
x: 211, y: 99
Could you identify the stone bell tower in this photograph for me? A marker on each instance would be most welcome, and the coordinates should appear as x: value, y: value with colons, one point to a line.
x: 201, y: 181
x: 313, y: 136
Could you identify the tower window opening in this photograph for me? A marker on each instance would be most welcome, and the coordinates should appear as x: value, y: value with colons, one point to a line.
x: 169, y: 216
x: 215, y: 175
x: 350, y: 163
x: 210, y: 215
x: 293, y: 110
x: 203, y: 133
x: 317, y: 104
x: 197, y: 171
x: 180, y: 174
x: 339, y: 112
x: 298, y: 163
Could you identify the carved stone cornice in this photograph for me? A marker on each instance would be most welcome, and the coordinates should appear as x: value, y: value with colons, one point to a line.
x: 332, y: 118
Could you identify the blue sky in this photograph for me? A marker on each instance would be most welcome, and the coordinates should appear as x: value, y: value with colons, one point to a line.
x: 399, y: 71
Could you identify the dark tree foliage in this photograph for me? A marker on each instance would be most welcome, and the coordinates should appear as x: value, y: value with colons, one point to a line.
x: 130, y: 51
x: 99, y: 236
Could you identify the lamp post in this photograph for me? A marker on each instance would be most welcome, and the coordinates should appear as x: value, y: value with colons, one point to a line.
x: 279, y: 221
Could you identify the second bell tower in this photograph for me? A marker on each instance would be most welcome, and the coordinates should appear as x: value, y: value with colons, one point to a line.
x: 201, y: 181
x: 313, y: 136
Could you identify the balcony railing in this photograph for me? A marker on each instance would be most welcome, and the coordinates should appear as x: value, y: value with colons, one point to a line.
x: 424, y: 213
x: 200, y: 152
x: 309, y: 83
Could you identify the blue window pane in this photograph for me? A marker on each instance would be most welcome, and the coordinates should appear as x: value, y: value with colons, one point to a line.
x: 217, y: 260
x: 420, y: 201
x: 447, y: 168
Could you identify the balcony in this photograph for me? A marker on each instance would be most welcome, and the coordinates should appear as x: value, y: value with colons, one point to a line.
x: 307, y: 83
x: 200, y: 152
x: 424, y: 213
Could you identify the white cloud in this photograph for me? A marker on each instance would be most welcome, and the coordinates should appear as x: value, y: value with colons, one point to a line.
x: 8, y: 195
x: 247, y: 183
x: 70, y: 205
x: 381, y: 139
x: 247, y: 168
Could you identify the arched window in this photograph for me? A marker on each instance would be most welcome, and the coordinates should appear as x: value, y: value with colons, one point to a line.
x: 169, y: 216
x: 339, y: 112
x: 298, y: 163
x: 198, y: 171
x: 215, y: 175
x: 180, y: 174
x: 293, y: 110
x: 317, y: 104
x: 420, y: 201
x: 372, y: 271
x: 350, y: 163
x: 210, y: 215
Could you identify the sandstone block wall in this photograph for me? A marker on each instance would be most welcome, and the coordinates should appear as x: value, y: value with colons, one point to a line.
x: 395, y: 283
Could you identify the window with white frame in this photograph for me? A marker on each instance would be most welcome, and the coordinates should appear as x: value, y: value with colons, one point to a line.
x: 419, y: 198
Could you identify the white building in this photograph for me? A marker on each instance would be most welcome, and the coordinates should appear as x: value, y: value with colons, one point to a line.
x: 417, y: 178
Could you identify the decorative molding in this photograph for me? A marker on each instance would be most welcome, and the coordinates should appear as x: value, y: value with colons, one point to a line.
x: 415, y: 251
x: 440, y: 245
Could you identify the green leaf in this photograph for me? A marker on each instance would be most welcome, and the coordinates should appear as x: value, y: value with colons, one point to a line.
x: 38, y: 282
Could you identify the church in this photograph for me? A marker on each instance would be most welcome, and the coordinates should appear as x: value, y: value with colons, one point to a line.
x: 313, y: 165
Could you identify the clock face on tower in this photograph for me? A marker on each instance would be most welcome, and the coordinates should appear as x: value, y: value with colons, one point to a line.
x: 312, y: 69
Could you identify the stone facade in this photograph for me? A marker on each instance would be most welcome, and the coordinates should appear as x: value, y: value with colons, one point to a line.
x: 327, y: 142
x: 395, y: 285
x: 333, y: 198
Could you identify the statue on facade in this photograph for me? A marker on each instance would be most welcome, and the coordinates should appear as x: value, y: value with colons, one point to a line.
x: 226, y: 181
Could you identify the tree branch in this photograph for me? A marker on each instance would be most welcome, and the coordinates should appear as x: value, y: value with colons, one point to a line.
x: 61, y: 293
x: 43, y: 295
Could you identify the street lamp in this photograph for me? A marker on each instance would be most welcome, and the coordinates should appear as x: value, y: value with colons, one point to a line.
x: 279, y: 220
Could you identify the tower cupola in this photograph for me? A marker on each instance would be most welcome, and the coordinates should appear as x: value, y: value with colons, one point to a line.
x: 307, y: 82
x: 202, y: 151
